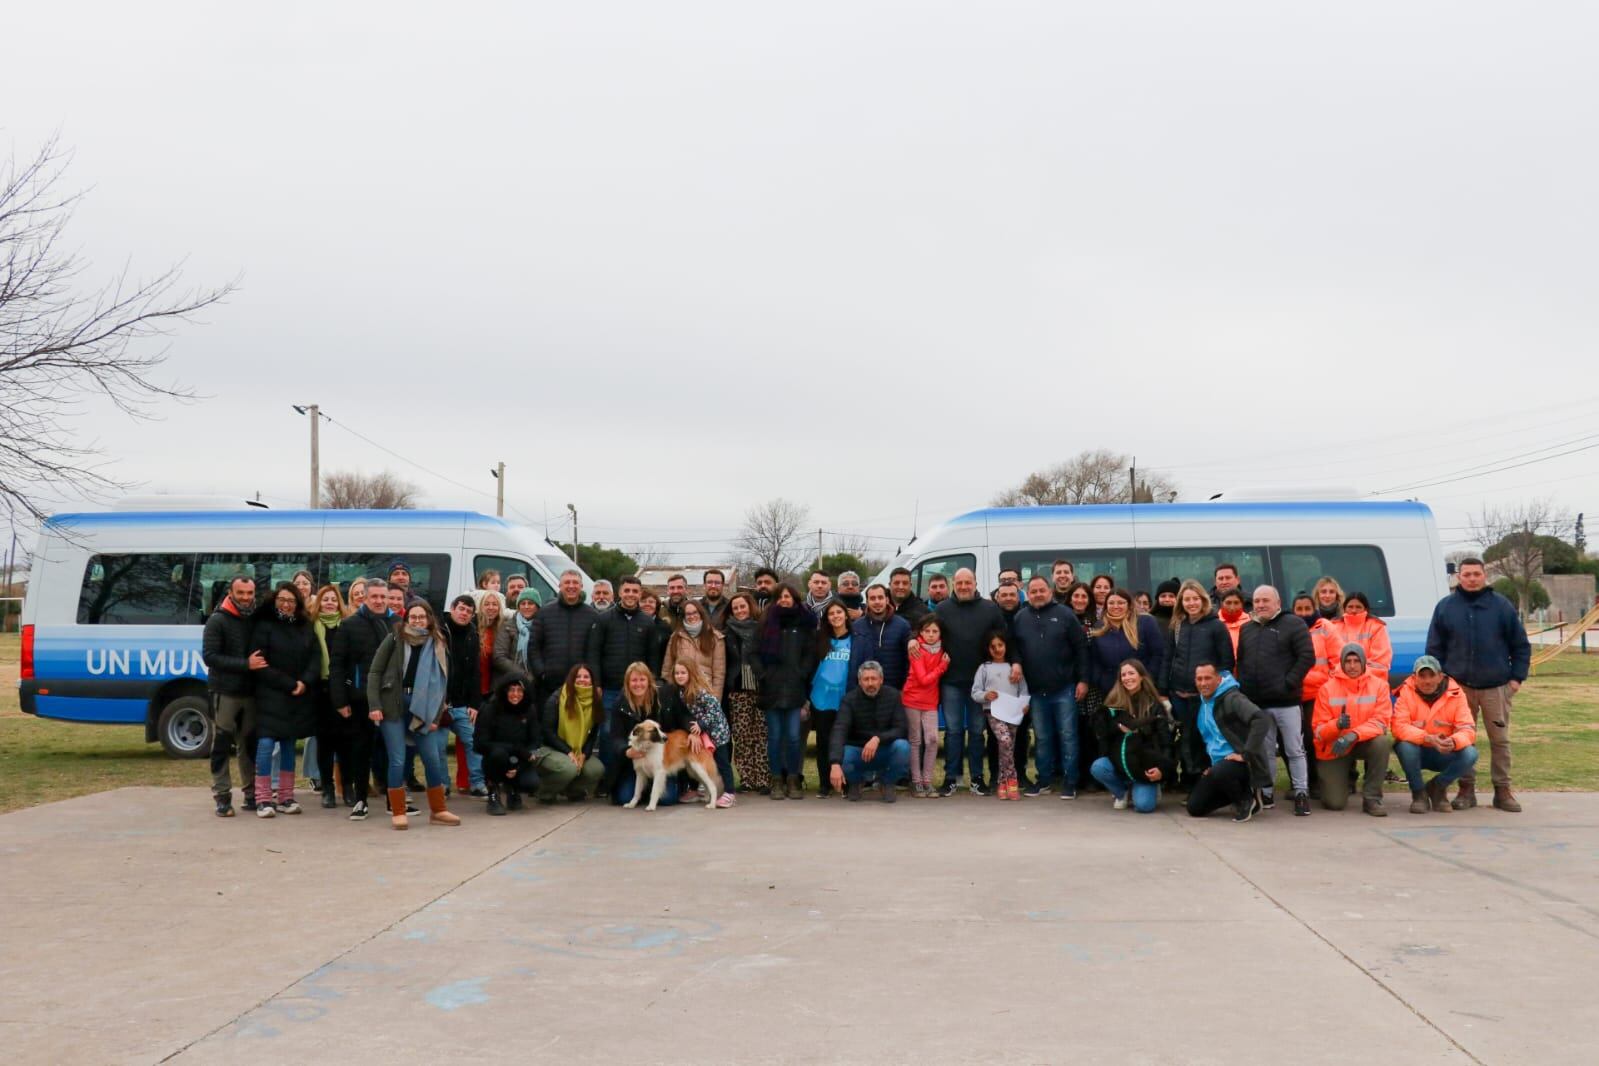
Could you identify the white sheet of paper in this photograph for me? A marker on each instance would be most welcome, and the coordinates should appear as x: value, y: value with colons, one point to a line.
x: 1007, y: 708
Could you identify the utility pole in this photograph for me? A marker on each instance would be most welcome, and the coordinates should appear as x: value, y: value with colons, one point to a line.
x: 315, y: 412
x: 819, y: 552
x: 1132, y: 481
x: 499, y: 489
x: 569, y: 507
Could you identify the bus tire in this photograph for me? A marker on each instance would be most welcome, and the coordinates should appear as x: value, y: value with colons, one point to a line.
x: 185, y: 728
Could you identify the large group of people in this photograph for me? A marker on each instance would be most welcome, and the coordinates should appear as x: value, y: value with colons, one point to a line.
x: 1195, y: 690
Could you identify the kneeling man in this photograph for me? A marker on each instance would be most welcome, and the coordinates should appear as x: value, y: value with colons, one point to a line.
x: 869, y: 735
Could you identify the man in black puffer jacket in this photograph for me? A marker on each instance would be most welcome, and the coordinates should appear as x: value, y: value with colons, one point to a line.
x: 967, y: 620
x: 622, y: 636
x: 1274, y: 655
x: 225, y: 649
x: 559, y: 636
x: 869, y: 735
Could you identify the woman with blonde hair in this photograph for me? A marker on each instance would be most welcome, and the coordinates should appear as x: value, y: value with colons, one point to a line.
x: 1122, y: 634
x: 1134, y: 705
x: 1329, y: 597
x: 334, y: 739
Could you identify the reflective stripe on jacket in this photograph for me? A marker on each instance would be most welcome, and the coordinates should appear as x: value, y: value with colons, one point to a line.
x: 1365, y: 699
x: 1448, y: 716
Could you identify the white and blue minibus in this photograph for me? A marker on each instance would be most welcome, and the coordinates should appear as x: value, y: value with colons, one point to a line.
x: 117, y: 600
x: 1387, y: 549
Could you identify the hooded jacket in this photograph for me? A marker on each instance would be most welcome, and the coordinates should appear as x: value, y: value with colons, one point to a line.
x: 1372, y: 635
x: 225, y: 649
x: 885, y: 640
x: 1324, y: 644
x: 1192, y: 643
x: 1243, y: 725
x: 1273, y: 659
x: 1051, y: 646
x: 293, y: 656
x: 922, y: 681
x: 1447, y: 715
x: 1479, y: 639
x: 1365, y: 699
x: 464, y: 685
x: 504, y: 729
x: 913, y: 609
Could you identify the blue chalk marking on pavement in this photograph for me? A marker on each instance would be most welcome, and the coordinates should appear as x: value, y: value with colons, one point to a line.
x: 458, y: 994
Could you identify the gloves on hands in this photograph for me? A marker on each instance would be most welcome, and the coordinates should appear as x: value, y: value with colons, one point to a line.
x: 1342, y: 745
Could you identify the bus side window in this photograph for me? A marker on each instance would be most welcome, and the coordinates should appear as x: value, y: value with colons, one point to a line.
x: 1357, y: 568
x: 943, y: 565
x: 148, y: 589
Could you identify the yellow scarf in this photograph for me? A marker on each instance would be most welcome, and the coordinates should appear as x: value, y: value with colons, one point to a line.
x: 573, y: 728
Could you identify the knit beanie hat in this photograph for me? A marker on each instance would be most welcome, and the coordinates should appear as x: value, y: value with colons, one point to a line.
x: 1352, y: 649
x: 1170, y: 585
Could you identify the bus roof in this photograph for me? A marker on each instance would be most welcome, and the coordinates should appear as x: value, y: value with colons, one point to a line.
x: 269, y: 518
x: 1254, y: 509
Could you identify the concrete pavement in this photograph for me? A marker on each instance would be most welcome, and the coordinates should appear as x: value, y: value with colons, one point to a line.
x: 140, y: 928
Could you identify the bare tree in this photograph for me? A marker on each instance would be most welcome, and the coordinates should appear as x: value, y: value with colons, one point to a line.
x: 774, y: 535
x: 1515, y: 540
x: 648, y: 555
x: 347, y: 490
x: 1099, y: 476
x: 61, y: 346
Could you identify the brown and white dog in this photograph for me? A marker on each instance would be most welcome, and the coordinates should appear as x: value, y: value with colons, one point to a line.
x: 663, y: 754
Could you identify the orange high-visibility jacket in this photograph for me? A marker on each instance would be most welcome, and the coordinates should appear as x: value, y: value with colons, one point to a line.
x: 1447, y: 716
x: 1327, y: 642
x: 1372, y: 636
x: 1364, y: 698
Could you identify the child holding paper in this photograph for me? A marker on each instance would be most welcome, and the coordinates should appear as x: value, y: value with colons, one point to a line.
x: 992, y: 681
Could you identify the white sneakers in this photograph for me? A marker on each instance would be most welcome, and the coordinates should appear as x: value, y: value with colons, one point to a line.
x: 1121, y: 803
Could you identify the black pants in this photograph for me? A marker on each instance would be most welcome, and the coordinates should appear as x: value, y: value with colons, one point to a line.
x: 496, y: 765
x: 1191, y: 758
x: 349, y: 740
x: 822, y: 727
x: 1088, y: 712
x: 1225, y: 785
x: 1023, y: 745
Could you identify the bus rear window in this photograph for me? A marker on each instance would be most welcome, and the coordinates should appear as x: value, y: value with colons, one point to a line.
x: 137, y: 590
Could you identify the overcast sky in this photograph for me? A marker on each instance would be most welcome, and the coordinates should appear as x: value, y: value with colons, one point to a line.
x: 669, y: 259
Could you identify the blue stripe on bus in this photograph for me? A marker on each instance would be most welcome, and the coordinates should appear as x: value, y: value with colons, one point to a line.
x: 93, y: 709
x: 117, y: 653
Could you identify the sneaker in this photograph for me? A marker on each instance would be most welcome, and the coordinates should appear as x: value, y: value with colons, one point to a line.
x: 248, y: 802
x: 358, y: 812
x: 1035, y: 790
x: 1301, y: 805
x: 1268, y: 800
x: 479, y: 792
x: 328, y: 801
x: 951, y: 786
x: 1244, y: 810
x: 979, y: 789
x: 411, y: 809
x: 264, y: 810
x: 725, y: 800
x: 1119, y: 804
x: 225, y: 806
x: 290, y: 807
x: 1068, y: 793
x: 513, y: 799
x: 316, y: 784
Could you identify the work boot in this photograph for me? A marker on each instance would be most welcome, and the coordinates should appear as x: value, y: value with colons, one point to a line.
x: 888, y: 795
x: 779, y: 789
x: 1466, y: 798
x: 397, y: 808
x: 1438, y: 794
x: 437, y: 813
x: 1373, y: 807
x: 1418, y: 802
x: 1505, y: 800
x: 852, y: 791
x: 513, y: 798
x: 796, y: 787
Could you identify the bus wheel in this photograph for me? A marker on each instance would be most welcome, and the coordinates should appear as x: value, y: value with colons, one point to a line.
x: 185, y: 729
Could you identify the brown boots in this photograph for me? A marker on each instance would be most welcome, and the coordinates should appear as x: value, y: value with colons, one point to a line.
x: 1466, y: 798
x: 1438, y: 796
x: 438, y: 815
x: 397, y: 808
x: 1505, y: 800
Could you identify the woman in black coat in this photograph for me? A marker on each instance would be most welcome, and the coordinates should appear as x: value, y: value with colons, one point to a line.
x: 1197, y: 636
x: 285, y: 693
x: 787, y: 653
x: 506, y: 735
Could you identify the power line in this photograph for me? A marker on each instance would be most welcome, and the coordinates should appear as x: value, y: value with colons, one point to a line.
x: 1465, y: 475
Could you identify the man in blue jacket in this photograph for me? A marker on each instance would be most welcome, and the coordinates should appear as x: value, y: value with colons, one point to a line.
x: 880, y: 635
x: 1053, y: 651
x: 1478, y: 636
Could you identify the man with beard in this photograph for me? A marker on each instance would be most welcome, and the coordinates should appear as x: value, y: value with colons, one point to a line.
x: 818, y: 591
x: 714, y: 603
x: 765, y: 587
x: 676, y: 596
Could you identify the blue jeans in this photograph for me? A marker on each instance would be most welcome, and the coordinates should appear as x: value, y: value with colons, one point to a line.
x: 892, y: 759
x: 1413, y: 758
x: 1145, y: 794
x: 263, y: 756
x: 783, y: 742
x: 602, y: 747
x: 629, y: 781
x: 963, y: 731
x: 461, y: 724
x: 1055, y: 723
x: 430, y: 746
